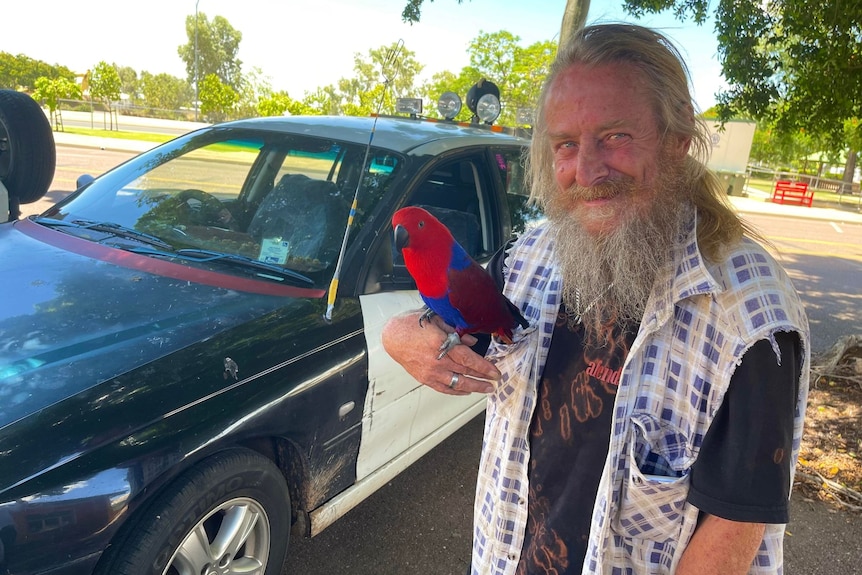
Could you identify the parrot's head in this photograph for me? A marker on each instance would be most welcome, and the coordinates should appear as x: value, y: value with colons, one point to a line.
x: 416, y: 229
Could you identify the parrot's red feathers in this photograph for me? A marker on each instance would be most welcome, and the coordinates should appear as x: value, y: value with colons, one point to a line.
x: 450, y: 282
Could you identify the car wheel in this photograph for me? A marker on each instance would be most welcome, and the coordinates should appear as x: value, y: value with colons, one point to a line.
x: 27, y: 153
x: 230, y: 514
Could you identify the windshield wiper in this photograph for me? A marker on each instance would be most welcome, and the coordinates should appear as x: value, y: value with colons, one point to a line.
x: 113, y: 228
x: 243, y: 261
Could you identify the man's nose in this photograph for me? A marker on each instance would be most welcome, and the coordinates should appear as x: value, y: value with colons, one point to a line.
x: 592, y: 169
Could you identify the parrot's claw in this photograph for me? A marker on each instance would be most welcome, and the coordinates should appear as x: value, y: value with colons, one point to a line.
x: 451, y: 341
x: 429, y: 313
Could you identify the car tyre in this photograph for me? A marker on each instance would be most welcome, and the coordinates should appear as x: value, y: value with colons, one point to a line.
x: 28, y: 156
x: 229, y: 514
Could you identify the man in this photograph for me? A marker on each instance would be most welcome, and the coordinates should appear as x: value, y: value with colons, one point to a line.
x: 650, y: 419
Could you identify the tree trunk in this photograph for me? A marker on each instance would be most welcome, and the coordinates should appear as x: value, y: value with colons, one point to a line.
x: 849, y: 170
x: 574, y: 18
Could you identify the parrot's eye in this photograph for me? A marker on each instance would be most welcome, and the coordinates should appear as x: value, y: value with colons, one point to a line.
x: 421, y: 223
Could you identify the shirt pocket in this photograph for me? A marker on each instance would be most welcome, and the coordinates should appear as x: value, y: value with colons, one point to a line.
x: 656, y: 483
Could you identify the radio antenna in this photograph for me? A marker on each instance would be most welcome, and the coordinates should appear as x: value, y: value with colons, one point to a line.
x: 390, y: 70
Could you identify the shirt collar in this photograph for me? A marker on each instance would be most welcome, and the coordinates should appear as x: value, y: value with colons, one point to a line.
x: 685, y: 275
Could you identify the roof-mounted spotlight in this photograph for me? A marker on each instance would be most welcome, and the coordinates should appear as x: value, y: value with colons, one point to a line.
x: 483, y: 99
x: 449, y: 105
x: 412, y: 106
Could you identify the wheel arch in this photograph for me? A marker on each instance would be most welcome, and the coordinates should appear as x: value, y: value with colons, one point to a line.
x: 283, y: 454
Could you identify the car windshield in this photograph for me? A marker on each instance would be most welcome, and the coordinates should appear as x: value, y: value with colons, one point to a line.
x: 275, y: 198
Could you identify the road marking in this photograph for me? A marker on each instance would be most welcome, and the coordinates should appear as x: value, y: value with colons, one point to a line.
x: 810, y: 241
x: 836, y: 227
x: 780, y: 252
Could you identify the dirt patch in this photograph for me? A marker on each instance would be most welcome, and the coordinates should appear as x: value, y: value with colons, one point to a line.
x: 830, y: 461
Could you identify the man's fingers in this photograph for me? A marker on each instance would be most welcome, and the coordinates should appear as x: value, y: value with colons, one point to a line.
x: 416, y: 349
x: 461, y: 384
x: 470, y: 363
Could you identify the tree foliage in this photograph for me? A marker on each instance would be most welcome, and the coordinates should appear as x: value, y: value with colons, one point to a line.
x: 379, y: 78
x: 217, y: 48
x: 105, y: 85
x: 218, y: 100
x: 413, y: 10
x: 164, y: 92
x: 517, y: 71
x: 50, y: 91
x: 254, y: 87
x: 129, y: 82
x: 21, y: 72
x: 794, y: 63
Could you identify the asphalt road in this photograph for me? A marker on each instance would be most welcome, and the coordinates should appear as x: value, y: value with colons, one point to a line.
x: 824, y: 260
x: 420, y: 523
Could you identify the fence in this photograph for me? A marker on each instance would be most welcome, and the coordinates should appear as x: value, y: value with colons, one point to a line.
x: 840, y: 187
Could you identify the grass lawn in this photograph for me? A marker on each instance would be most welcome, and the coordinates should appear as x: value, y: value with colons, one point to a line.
x: 120, y: 135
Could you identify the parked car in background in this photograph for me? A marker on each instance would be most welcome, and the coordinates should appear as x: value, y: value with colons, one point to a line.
x: 178, y: 391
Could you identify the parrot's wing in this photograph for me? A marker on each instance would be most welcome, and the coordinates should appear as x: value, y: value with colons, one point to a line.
x: 474, y: 294
x: 443, y: 307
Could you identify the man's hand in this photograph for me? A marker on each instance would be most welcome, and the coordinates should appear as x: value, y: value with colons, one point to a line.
x: 416, y: 348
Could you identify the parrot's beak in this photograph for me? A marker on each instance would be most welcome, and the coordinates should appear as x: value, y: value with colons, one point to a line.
x: 402, y: 238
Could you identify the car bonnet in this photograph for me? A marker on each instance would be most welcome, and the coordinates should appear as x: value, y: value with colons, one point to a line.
x: 69, y: 322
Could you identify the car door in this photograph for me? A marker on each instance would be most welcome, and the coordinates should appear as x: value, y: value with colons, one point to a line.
x: 403, y: 419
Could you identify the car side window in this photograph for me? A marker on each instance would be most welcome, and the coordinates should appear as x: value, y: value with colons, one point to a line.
x: 458, y: 193
x: 522, y: 213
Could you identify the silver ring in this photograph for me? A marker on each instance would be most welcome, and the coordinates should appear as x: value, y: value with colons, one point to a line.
x: 454, y: 381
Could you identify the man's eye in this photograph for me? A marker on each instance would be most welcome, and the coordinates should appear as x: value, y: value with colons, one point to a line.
x: 617, y: 139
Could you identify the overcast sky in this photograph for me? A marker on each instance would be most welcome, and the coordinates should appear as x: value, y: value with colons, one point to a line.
x: 302, y: 45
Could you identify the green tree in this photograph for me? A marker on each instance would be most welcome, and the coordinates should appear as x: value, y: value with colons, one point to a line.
x: 795, y: 64
x: 254, y: 88
x: 218, y: 100
x: 105, y: 86
x: 165, y: 94
x: 781, y: 149
x: 129, y: 83
x: 386, y: 73
x: 321, y: 100
x: 217, y: 47
x: 281, y: 104
x: 518, y: 72
x: 50, y: 91
x: 21, y: 72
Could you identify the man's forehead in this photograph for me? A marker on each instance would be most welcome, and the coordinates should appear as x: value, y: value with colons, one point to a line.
x: 608, y: 96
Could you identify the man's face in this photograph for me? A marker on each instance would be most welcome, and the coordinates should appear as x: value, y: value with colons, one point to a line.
x: 606, y: 145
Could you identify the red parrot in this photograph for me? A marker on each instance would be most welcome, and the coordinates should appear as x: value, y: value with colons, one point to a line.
x: 450, y: 282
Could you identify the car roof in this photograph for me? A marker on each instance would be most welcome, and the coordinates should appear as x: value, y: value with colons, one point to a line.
x: 400, y: 134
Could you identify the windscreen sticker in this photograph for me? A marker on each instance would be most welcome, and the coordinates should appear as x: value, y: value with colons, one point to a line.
x: 274, y: 251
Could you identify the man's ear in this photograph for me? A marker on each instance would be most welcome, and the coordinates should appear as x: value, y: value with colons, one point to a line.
x: 681, y: 146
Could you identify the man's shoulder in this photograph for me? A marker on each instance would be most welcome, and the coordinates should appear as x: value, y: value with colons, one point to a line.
x: 748, y: 260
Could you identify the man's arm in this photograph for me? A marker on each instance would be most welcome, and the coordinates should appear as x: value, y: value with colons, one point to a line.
x: 721, y: 547
x: 416, y: 349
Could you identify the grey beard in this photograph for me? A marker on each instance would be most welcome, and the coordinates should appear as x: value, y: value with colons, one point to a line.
x: 613, y: 275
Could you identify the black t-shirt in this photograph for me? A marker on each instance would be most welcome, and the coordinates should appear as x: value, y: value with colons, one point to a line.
x: 569, y: 436
x: 742, y: 472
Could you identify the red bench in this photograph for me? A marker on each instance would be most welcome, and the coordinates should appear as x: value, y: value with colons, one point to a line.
x: 797, y: 193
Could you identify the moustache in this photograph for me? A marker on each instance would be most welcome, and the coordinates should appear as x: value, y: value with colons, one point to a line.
x: 604, y: 191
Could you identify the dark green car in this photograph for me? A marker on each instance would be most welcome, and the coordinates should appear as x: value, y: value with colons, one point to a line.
x: 183, y: 384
